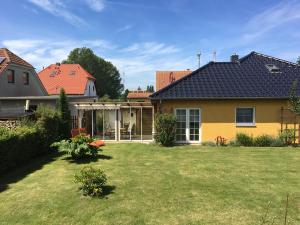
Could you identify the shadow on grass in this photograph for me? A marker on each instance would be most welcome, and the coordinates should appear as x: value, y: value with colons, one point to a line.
x: 87, y: 159
x: 23, y: 171
x: 107, y: 190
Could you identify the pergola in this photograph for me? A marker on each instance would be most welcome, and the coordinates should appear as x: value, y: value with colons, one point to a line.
x: 117, y: 121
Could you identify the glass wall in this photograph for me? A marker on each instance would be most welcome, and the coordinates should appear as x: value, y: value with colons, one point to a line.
x: 106, y: 124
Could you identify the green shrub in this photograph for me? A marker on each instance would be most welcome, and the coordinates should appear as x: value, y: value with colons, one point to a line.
x: 277, y: 142
x: 91, y: 180
x: 65, y: 115
x: 48, y: 124
x: 78, y: 147
x: 165, y: 126
x: 233, y: 143
x: 244, y: 140
x: 263, y: 141
x: 287, y: 136
x: 208, y: 143
x: 20, y: 146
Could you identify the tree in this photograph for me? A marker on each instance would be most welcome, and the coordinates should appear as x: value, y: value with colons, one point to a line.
x: 294, y: 98
x: 298, y: 60
x: 139, y: 88
x: 108, y: 79
x: 65, y: 115
x: 124, y: 95
x: 150, y: 88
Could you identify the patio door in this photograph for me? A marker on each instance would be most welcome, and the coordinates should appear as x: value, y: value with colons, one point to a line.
x: 188, y: 126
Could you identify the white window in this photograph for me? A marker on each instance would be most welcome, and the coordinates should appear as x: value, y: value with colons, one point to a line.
x: 188, y: 125
x: 245, y: 116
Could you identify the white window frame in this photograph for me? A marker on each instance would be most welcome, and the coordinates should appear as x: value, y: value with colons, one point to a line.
x: 187, y: 128
x: 253, y: 124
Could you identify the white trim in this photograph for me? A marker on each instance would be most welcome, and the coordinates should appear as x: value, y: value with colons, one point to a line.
x: 253, y: 124
x: 187, y: 129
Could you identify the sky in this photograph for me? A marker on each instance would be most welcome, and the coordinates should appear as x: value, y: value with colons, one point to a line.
x: 140, y: 37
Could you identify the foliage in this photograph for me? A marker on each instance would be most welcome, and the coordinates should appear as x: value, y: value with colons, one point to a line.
x: 124, y: 95
x: 277, y: 142
x: 298, y: 60
x: 65, y: 115
x: 233, y: 143
x: 48, y: 124
x: 78, y: 147
x: 294, y: 98
x: 287, y: 136
x: 92, y: 181
x: 208, y: 143
x: 220, y: 141
x: 30, y: 140
x: 20, y: 146
x: 107, y: 75
x: 150, y: 88
x: 165, y: 126
x: 104, y: 98
x: 263, y: 141
x: 244, y: 140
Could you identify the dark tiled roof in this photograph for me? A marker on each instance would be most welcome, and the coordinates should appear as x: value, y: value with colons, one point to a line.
x: 246, y: 78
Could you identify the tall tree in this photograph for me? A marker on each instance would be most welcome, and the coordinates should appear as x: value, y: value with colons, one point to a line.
x: 108, y: 77
x: 65, y: 115
x: 298, y: 60
x: 150, y: 88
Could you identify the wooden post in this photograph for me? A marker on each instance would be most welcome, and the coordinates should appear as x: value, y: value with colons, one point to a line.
x: 281, y: 119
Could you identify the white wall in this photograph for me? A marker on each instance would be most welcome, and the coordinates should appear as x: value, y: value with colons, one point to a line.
x: 90, y: 89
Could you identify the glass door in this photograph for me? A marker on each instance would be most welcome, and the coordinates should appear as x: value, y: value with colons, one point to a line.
x: 187, y: 125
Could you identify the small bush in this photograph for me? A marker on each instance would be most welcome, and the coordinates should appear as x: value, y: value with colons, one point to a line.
x: 244, y: 140
x: 287, y: 136
x: 208, y: 143
x: 232, y: 143
x: 78, y: 147
x: 263, y: 141
x: 165, y: 126
x: 91, y: 180
x: 277, y: 142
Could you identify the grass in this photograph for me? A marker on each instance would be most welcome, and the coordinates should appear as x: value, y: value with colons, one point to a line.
x: 154, y: 185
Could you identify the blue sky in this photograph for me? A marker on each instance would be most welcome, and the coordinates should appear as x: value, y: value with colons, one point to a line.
x: 140, y: 37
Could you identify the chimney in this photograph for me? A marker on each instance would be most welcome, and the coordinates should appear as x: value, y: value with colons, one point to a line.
x: 234, y: 58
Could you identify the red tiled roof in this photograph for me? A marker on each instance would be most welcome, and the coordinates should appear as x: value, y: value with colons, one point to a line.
x: 164, y: 78
x: 138, y: 94
x: 9, y: 58
x: 71, y: 77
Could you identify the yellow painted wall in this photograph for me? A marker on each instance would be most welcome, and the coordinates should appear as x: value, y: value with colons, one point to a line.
x: 218, y: 116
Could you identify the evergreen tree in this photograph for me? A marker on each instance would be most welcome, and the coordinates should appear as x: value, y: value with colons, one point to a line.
x: 65, y: 115
x: 150, y: 88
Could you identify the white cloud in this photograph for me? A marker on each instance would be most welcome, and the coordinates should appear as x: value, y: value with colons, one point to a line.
x: 96, y: 5
x: 125, y: 28
x: 276, y: 16
x: 58, y: 8
x: 150, y: 48
x: 42, y: 53
x: 138, y: 61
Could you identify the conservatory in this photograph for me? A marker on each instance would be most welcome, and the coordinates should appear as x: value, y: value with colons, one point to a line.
x: 126, y: 121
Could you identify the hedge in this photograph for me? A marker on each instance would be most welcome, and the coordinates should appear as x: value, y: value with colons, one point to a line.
x: 21, y: 145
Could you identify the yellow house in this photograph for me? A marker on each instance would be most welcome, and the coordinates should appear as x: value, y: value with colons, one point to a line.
x: 248, y: 95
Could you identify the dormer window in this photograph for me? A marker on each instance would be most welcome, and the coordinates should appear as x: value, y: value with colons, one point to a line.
x: 272, y: 68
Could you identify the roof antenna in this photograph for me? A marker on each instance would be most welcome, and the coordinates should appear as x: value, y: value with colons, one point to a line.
x: 214, y: 56
x: 199, y: 59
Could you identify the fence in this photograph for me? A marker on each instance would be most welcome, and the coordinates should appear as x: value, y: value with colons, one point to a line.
x: 290, y: 121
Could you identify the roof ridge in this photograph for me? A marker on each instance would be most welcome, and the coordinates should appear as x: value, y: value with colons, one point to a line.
x: 267, y: 56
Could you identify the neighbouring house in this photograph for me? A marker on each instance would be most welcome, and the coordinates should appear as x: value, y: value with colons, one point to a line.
x: 248, y: 95
x: 72, y: 78
x: 164, y: 78
x: 138, y: 96
x: 18, y: 77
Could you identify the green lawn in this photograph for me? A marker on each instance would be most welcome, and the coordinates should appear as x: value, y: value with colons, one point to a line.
x: 154, y: 185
